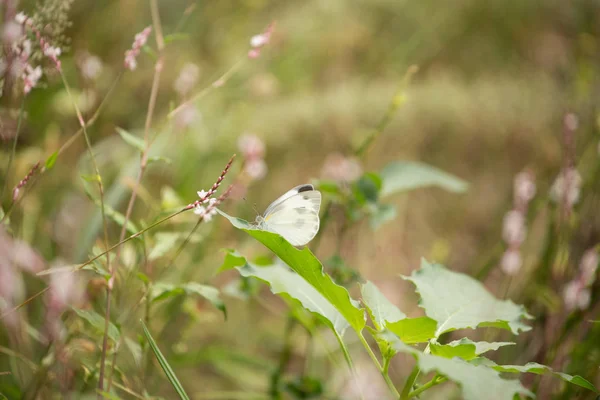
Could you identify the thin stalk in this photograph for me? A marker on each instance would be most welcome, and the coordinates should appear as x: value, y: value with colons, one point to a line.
x: 104, y: 224
x: 435, y: 381
x: 382, y: 369
x: 13, y: 150
x: 410, y: 382
x: 349, y: 363
x: 394, y: 105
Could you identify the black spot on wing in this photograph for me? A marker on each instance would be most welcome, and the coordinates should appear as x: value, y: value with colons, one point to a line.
x: 305, y: 188
x: 299, y: 223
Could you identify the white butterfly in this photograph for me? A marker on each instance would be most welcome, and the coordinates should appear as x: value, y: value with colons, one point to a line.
x: 294, y: 215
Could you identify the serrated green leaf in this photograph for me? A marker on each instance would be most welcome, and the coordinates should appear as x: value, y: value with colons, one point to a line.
x: 51, y: 160
x: 476, y: 381
x: 305, y: 264
x: 165, y: 365
x: 131, y: 139
x: 465, y: 348
x: 285, y: 282
x: 97, y: 322
x: 539, y: 369
x: 457, y: 301
x: 414, y: 330
x: 379, y: 307
x: 381, y: 214
x: 402, y: 176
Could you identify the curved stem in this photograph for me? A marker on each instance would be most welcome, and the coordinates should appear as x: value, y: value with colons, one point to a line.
x: 382, y: 368
x: 435, y: 381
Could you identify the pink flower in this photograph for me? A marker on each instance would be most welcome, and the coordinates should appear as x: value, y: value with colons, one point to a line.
x: 511, y: 262
x: 138, y: 42
x: 567, y: 188
x: 257, y: 42
x: 340, y: 168
x: 589, y: 266
x: 576, y: 296
x: 251, y: 146
x: 187, y: 79
x: 513, y: 229
x: 524, y: 187
x: 256, y: 168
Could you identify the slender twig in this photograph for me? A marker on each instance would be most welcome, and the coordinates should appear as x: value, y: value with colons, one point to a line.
x: 435, y: 381
x: 14, y: 149
x: 394, y: 105
x: 104, y: 222
x: 382, y: 369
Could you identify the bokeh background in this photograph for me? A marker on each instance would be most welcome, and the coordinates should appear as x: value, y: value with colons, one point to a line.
x: 495, y: 80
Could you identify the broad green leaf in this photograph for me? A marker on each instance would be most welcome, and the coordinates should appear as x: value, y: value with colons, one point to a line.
x: 131, y: 139
x: 381, y: 214
x: 379, y: 307
x: 165, y: 365
x: 414, y: 330
x: 457, y: 301
x: 161, y: 291
x: 477, y: 381
x: 51, y: 160
x: 465, y: 348
x: 305, y: 264
x: 367, y: 188
x: 402, y: 176
x: 540, y: 369
x: 285, y: 282
x: 232, y: 260
x: 97, y: 321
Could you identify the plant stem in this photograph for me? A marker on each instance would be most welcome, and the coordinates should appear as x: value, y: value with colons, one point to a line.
x: 104, y: 223
x: 284, y: 358
x: 410, y: 382
x: 382, y: 369
x: 13, y: 150
x: 394, y: 105
x: 435, y: 381
x: 349, y: 362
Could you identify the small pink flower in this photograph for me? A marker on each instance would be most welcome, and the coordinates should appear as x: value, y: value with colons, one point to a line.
x: 251, y: 146
x: 511, y: 262
x: 576, y: 296
x: 187, y: 79
x: 589, y: 266
x: 257, y: 42
x: 340, y: 168
x: 513, y: 228
x: 524, y: 187
x: 256, y: 168
x: 567, y: 188
x: 138, y: 42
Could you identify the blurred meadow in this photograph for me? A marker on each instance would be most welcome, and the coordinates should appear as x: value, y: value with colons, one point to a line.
x: 502, y: 96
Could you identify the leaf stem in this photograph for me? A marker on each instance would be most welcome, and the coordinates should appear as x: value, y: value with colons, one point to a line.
x: 435, y: 381
x: 382, y: 369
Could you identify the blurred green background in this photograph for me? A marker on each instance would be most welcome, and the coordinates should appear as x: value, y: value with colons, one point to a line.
x: 495, y: 80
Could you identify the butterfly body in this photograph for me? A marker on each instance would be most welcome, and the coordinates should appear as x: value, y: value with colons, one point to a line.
x: 294, y: 215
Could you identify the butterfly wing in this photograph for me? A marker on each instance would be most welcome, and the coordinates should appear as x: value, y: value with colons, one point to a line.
x: 287, y: 195
x: 296, y: 217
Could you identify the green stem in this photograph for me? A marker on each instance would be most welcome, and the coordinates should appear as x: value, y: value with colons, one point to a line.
x: 14, y: 148
x: 383, y: 369
x: 284, y: 358
x: 410, y: 382
x: 349, y: 362
x: 435, y: 381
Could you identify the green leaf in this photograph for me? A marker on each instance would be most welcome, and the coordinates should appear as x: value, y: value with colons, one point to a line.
x: 402, y: 176
x: 91, y: 178
x: 457, y: 301
x: 286, y: 282
x: 51, y: 160
x: 97, y: 321
x: 329, y: 187
x: 381, y: 214
x: 154, y: 159
x: 165, y: 241
x: 173, y: 37
x: 232, y: 260
x: 165, y: 365
x: 540, y: 369
x: 367, y: 188
x: 379, y: 307
x: 131, y: 139
x: 135, y: 349
x: 305, y: 264
x: 414, y: 330
x: 465, y: 348
x: 477, y: 381
x: 161, y: 291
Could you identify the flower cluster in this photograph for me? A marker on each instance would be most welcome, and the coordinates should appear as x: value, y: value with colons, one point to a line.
x: 576, y: 293
x: 206, y: 206
x: 253, y: 149
x: 567, y: 186
x: 340, y: 168
x: 257, y: 42
x: 513, y: 227
x: 138, y: 43
x: 24, y: 181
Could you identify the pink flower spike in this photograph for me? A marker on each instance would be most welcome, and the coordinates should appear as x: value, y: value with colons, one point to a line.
x: 259, y: 41
x: 138, y: 42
